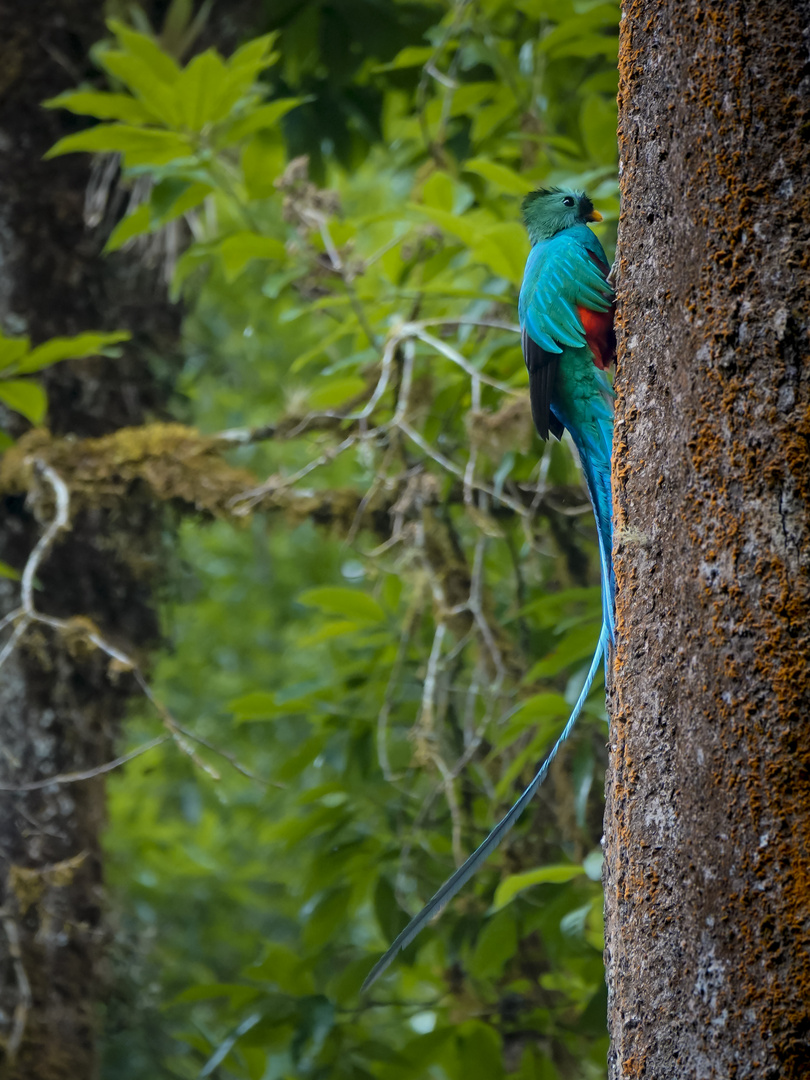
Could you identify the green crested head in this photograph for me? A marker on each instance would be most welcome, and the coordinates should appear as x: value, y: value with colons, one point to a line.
x: 550, y: 210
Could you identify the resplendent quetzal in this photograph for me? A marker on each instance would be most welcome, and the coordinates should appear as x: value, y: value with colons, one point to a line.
x: 566, y: 320
x: 566, y: 323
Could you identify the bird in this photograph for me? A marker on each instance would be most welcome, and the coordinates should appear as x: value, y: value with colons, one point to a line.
x: 566, y: 312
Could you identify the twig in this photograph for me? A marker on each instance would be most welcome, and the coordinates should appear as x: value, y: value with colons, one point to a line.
x: 376, y: 484
x: 455, y: 357
x: 465, y: 320
x: 338, y: 265
x: 87, y: 774
x: 409, y: 622
x: 45, y: 542
x: 475, y: 605
x: 430, y: 71
x: 382, y: 382
x: 452, y: 803
x: 173, y: 728
x: 245, y: 501
x: 469, y: 472
x: 17, y: 633
x: 230, y: 758
x: 426, y: 721
x: 27, y: 614
x: 440, y: 77
x: 24, y: 997
x: 456, y: 470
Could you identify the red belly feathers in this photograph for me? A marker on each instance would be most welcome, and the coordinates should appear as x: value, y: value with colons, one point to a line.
x: 600, y: 335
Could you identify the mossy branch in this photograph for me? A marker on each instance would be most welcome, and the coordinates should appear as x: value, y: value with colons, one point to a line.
x: 178, y: 465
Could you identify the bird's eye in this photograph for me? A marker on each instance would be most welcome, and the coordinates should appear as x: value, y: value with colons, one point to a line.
x: 568, y: 201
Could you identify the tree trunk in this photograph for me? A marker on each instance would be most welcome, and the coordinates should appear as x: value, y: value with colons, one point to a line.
x: 707, y: 837
x: 58, y: 701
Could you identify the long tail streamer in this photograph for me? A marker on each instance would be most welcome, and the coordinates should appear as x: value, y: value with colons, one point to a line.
x: 465, y: 872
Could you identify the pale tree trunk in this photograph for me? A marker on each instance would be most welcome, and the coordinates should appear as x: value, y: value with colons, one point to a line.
x: 59, y: 702
x: 707, y: 838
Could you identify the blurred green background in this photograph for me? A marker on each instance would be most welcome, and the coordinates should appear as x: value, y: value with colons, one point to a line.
x: 392, y: 649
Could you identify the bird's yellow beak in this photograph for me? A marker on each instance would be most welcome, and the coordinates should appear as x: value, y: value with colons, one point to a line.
x: 594, y: 216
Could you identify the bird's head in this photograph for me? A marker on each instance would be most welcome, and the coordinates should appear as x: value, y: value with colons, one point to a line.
x: 549, y: 210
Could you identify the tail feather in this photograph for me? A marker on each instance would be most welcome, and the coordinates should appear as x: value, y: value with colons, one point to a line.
x: 594, y: 448
x: 598, y: 481
x: 446, y: 893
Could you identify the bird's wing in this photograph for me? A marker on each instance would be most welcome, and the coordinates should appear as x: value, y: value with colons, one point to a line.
x: 564, y: 276
x: 542, y: 367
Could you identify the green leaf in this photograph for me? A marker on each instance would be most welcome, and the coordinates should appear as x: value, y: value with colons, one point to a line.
x: 497, y: 943
x: 7, y: 571
x: 350, y: 603
x: 539, y: 707
x: 191, y: 197
x: 227, y: 1044
x: 71, y: 348
x: 585, y: 47
x: 157, y: 97
x: 12, y: 349
x: 576, y: 29
x: 328, y: 632
x: 139, y: 146
x: 598, y: 119
x: 25, y: 397
x: 262, y: 161
x: 102, y: 105
x: 254, y: 54
x: 260, y: 119
x: 237, y: 994
x: 410, y: 56
x: 134, y: 224
x: 329, y: 915
x: 336, y: 335
x: 461, y: 227
x: 282, y: 966
x: 549, y: 610
x: 469, y: 97
x: 488, y: 119
x: 576, y: 645
x: 170, y: 199
x: 259, y: 705
x: 555, y: 874
x: 438, y: 191
x: 481, y: 1053
x: 198, y: 92
x: 238, y: 249
x: 390, y: 916
x: 336, y: 391
x: 162, y: 66
x: 504, y: 249
x: 499, y: 175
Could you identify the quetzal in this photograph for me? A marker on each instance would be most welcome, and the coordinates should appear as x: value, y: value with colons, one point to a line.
x: 566, y: 312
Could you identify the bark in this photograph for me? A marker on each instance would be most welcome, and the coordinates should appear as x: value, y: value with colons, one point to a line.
x: 707, y: 838
x: 58, y: 702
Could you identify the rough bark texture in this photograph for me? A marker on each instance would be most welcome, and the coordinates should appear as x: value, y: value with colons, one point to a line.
x: 708, y: 817
x: 59, y: 703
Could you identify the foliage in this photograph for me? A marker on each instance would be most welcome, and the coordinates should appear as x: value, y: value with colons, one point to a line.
x: 397, y: 679
x: 17, y: 358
